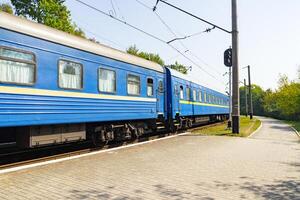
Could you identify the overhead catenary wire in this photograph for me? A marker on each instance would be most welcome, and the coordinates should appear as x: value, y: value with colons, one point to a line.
x: 148, y: 34
x: 187, y: 50
x: 190, y: 14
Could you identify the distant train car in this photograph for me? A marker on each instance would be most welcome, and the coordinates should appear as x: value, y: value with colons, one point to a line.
x: 190, y: 103
x: 55, y: 87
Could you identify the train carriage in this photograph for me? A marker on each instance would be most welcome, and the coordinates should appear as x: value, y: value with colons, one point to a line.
x: 57, y: 87
x: 190, y: 103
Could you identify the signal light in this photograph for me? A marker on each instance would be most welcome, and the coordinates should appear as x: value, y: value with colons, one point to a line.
x: 228, y: 57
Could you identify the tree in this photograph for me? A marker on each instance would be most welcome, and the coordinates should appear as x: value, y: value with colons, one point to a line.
x: 257, y: 99
x: 6, y: 8
x: 133, y: 50
x: 52, y: 13
x: 179, y: 67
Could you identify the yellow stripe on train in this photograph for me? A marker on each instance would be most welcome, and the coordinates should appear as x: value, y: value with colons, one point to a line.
x: 55, y: 93
x: 201, y: 104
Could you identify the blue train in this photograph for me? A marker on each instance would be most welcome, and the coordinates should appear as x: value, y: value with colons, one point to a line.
x: 57, y: 88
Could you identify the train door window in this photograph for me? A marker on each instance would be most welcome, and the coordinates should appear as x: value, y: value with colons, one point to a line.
x: 70, y: 75
x: 133, y: 84
x: 176, y: 92
x: 188, y: 93
x: 106, y: 80
x: 181, y: 92
x: 160, y: 86
x: 149, y: 87
x: 200, y: 96
x: 194, y: 95
x: 17, y: 66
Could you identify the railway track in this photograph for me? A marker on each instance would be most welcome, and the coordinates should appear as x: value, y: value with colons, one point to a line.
x: 25, y: 157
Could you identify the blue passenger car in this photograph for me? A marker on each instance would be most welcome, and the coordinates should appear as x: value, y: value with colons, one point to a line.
x: 189, y: 102
x: 50, y: 77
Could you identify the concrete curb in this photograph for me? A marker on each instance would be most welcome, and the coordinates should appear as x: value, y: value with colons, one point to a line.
x: 297, y: 133
x: 258, y: 129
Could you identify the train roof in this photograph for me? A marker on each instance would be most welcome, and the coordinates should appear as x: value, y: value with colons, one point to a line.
x: 37, y: 30
x: 190, y: 79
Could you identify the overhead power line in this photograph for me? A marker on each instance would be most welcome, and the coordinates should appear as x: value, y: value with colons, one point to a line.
x: 192, y: 35
x: 190, y: 14
x: 148, y: 34
x: 187, y: 50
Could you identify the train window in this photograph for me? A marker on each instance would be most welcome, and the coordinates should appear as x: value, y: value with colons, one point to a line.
x: 70, y: 75
x: 149, y: 87
x: 188, y: 93
x: 17, y: 66
x: 194, y: 95
x: 176, y: 92
x: 181, y: 92
x: 133, y: 85
x: 106, y: 80
x: 205, y: 97
x: 200, y: 96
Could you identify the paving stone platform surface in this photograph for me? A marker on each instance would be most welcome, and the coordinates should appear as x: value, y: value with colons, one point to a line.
x: 264, y: 166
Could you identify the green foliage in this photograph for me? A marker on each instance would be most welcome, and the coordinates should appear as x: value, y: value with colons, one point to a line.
x: 283, y: 103
x: 6, y: 8
x: 179, y: 67
x: 133, y: 50
x: 257, y: 99
x: 52, y: 13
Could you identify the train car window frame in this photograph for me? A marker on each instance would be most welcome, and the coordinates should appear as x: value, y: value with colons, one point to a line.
x: 152, y: 86
x: 20, y: 61
x: 200, y: 96
x: 194, y: 95
x: 181, y: 92
x: 115, y: 80
x: 81, y: 74
x: 188, y: 93
x: 139, y: 84
x: 176, y: 91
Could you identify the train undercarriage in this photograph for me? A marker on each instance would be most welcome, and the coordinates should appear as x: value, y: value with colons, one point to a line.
x: 98, y: 133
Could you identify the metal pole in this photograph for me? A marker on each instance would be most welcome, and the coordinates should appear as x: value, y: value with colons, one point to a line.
x: 250, y: 93
x: 246, y: 97
x: 230, y: 100
x: 235, y: 72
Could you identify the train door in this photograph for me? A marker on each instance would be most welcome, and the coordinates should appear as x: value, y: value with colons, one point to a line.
x: 160, y: 97
x: 179, y: 96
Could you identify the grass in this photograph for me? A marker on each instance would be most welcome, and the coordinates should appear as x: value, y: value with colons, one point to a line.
x: 247, y: 127
x: 295, y: 124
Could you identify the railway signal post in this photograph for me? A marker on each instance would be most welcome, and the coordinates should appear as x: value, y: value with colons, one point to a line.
x: 235, y: 71
x: 228, y: 63
x: 250, y: 93
x: 246, y: 97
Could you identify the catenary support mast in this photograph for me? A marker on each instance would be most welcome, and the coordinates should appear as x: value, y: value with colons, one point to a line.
x: 235, y: 71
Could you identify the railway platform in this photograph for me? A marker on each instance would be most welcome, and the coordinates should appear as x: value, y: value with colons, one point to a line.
x: 264, y: 166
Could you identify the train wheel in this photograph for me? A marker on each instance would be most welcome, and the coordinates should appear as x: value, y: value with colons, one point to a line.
x: 97, y: 140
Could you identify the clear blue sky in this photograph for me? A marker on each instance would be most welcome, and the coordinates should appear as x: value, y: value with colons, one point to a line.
x: 269, y: 34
